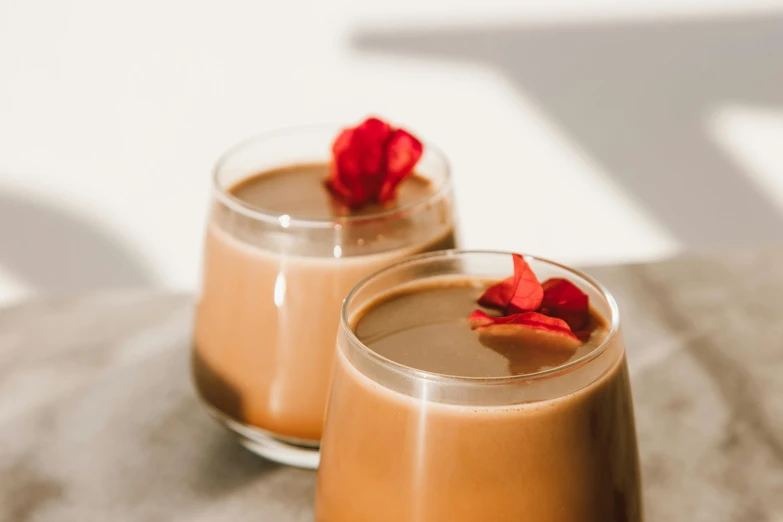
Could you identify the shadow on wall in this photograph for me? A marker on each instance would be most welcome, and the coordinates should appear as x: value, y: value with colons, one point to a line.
x: 53, y: 251
x: 637, y: 98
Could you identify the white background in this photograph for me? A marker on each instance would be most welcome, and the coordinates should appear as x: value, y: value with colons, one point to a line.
x: 112, y: 114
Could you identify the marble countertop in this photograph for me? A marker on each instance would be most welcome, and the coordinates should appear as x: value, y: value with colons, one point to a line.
x: 98, y: 420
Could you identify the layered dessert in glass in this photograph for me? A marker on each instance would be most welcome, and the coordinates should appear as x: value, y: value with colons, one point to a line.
x: 479, y: 386
x: 298, y: 218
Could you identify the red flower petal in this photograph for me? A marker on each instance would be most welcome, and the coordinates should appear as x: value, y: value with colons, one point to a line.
x: 368, y: 146
x: 370, y: 161
x: 520, y: 293
x: 527, y: 294
x: 344, y: 169
x: 565, y: 300
x: 479, y: 318
x: 498, y: 295
x: 535, y: 320
x: 403, y: 152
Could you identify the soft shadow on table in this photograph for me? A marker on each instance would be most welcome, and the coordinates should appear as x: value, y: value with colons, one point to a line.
x: 122, y: 432
x: 637, y: 98
x: 225, y: 465
x: 52, y: 250
x: 174, y: 429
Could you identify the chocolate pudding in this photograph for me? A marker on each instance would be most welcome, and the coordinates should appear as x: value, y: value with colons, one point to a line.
x: 478, y: 437
x: 281, y: 254
x: 434, y: 317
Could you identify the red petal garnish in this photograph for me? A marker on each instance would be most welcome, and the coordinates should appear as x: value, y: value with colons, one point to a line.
x: 535, y: 320
x: 565, y: 300
x: 548, y: 321
x: 370, y: 161
x: 498, y: 295
x: 403, y: 151
x: 479, y: 318
x: 528, y: 292
x: 520, y: 293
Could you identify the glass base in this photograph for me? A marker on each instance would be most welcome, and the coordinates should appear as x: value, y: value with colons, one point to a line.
x: 290, y: 451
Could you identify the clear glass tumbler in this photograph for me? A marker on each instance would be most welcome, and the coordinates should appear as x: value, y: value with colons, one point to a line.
x: 273, y: 285
x: 404, y: 444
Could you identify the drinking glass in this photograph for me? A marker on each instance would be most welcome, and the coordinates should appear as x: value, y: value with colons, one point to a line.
x: 405, y: 444
x: 272, y: 288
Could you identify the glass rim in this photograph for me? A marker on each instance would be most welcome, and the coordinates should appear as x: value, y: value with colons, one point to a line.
x: 441, y: 378
x: 236, y: 204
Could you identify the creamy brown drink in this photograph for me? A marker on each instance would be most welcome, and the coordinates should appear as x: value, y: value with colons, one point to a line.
x: 281, y: 254
x: 424, y: 327
x: 432, y: 419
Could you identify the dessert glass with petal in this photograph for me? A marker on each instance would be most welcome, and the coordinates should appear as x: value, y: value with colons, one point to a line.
x: 419, y: 431
x: 279, y: 258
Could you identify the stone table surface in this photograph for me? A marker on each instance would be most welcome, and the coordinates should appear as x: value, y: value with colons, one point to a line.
x: 98, y: 420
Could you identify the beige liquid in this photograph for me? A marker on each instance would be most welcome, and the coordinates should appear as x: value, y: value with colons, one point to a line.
x: 389, y: 456
x: 267, y: 320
